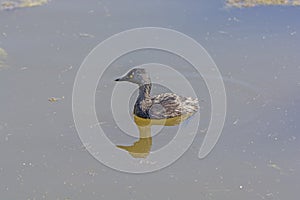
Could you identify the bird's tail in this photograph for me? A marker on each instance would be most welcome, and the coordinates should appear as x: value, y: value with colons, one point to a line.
x: 190, y: 105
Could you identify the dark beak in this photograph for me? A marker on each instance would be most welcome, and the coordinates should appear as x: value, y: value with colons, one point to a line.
x: 121, y: 79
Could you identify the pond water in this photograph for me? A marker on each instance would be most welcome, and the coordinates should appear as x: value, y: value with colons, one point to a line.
x: 256, y: 50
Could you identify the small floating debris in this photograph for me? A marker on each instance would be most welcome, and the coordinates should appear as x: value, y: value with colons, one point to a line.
x: 85, y: 146
x: 8, y: 5
x: 68, y: 69
x: 11, y: 5
x: 233, y: 19
x: 223, y: 32
x: 54, y: 99
x: 235, y: 122
x: 296, y: 3
x: 3, y: 54
x: 3, y: 57
x: 254, y: 3
x: 23, y: 68
x: 92, y: 173
x: 86, y: 35
x: 32, y: 3
x: 274, y: 166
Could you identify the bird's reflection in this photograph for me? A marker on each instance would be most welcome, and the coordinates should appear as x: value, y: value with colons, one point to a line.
x: 142, y: 147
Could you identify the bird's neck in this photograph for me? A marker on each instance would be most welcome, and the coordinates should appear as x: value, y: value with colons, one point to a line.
x: 144, y: 91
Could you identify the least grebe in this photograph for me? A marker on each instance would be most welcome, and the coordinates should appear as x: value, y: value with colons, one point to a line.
x: 162, y: 106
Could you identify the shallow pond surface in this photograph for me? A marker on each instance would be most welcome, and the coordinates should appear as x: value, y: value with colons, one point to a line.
x: 256, y: 50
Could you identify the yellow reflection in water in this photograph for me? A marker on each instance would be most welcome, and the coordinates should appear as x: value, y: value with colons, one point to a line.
x: 142, y: 147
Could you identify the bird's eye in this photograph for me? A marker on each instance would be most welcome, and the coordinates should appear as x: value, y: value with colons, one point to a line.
x: 130, y: 76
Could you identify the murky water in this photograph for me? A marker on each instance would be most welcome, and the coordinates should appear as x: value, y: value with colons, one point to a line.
x: 256, y: 50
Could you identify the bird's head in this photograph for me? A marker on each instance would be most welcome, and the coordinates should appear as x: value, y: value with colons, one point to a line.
x: 137, y: 75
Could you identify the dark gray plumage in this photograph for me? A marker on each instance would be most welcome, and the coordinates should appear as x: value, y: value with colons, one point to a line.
x: 162, y: 106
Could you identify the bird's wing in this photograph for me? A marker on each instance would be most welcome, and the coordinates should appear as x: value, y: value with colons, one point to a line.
x: 165, y: 105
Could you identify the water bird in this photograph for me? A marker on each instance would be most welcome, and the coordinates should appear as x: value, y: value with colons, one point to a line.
x: 168, y: 106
